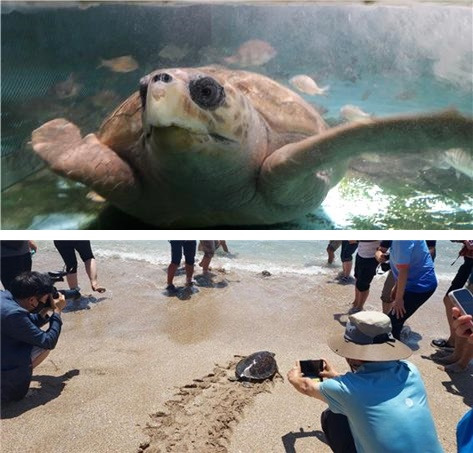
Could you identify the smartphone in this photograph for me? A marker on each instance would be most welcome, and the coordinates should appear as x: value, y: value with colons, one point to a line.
x: 463, y: 299
x: 312, y: 368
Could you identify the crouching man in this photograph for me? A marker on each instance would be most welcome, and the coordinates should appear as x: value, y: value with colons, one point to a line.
x: 24, y: 345
x: 381, y: 405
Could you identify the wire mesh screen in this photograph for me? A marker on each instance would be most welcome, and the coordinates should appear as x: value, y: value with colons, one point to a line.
x: 80, y: 60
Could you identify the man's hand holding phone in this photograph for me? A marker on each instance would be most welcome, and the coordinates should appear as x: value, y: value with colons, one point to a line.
x: 311, y: 369
x: 317, y: 370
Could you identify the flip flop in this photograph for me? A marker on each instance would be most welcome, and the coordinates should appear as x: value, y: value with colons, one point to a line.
x: 441, y: 343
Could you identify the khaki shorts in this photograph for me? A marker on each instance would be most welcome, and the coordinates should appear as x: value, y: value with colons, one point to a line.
x: 36, y: 351
x: 208, y: 247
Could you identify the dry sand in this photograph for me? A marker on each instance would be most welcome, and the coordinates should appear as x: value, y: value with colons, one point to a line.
x: 135, y: 369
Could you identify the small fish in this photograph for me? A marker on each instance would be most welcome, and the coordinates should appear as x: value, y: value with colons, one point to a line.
x: 172, y: 52
x: 120, y: 64
x: 254, y: 52
x: 458, y: 159
x: 105, y: 99
x: 67, y: 88
x: 353, y: 113
x: 307, y: 85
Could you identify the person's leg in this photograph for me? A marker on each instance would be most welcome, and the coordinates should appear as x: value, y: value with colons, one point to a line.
x: 208, y: 247
x: 190, y: 248
x: 91, y: 270
x: 412, y: 301
x: 38, y: 355
x: 205, y: 263
x: 72, y: 280
x: 84, y: 249
x: 176, y: 256
x: 456, y: 355
x: 466, y: 354
x: 330, y: 253
x: 337, y: 432
x: 224, y: 246
x: 12, y: 266
x: 386, y: 293
x: 346, y: 256
x: 362, y: 296
x: 172, y: 269
x: 357, y: 274
x: 367, y: 273
x: 68, y: 254
x: 461, y: 357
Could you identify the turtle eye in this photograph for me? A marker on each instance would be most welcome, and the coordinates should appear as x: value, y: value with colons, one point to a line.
x: 163, y: 77
x: 207, y: 93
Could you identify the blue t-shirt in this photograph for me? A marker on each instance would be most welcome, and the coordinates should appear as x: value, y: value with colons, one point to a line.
x: 465, y: 433
x: 386, y: 405
x: 421, y: 275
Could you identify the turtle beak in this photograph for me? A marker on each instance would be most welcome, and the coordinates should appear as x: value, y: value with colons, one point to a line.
x: 144, y: 82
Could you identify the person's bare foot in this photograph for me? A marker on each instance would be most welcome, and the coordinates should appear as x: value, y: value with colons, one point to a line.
x: 98, y: 288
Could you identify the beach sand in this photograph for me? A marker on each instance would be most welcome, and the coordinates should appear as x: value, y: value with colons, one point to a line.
x: 137, y: 370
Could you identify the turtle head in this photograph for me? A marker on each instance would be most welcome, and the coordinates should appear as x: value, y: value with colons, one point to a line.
x: 197, y: 108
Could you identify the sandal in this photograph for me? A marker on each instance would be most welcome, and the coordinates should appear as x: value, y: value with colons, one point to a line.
x: 441, y: 343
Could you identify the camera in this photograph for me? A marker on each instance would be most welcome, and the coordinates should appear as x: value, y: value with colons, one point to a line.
x: 58, y: 276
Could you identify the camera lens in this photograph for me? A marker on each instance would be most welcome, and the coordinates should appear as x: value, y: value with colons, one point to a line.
x: 55, y: 293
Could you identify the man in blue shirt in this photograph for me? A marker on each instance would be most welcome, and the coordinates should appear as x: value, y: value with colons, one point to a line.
x: 381, y: 406
x: 413, y: 271
x: 24, y: 345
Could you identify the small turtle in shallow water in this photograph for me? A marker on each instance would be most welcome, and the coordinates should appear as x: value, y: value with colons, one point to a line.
x: 257, y: 367
x: 208, y: 146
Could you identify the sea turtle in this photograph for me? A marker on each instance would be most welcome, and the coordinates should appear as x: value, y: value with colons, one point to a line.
x: 257, y: 367
x: 207, y: 146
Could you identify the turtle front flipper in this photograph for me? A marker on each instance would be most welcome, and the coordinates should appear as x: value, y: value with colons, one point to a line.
x: 301, y: 173
x: 87, y: 160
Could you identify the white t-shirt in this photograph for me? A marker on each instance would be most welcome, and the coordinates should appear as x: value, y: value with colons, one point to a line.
x: 367, y: 249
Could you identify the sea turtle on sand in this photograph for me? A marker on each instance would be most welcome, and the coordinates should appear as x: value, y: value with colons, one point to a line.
x: 257, y: 367
x: 199, y: 147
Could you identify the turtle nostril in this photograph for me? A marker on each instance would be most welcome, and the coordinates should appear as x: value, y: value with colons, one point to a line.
x: 163, y: 77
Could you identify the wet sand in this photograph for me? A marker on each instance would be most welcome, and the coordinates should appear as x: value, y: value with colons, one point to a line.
x: 137, y: 370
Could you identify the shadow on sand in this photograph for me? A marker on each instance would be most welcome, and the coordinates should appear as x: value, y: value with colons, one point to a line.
x: 289, y: 439
x: 50, y: 388
x: 83, y: 303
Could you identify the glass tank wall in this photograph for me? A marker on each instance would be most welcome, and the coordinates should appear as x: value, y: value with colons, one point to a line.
x: 80, y: 60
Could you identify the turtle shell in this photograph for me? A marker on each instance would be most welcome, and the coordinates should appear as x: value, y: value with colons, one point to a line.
x: 257, y: 367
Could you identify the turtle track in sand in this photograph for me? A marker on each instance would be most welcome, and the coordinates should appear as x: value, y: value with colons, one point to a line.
x: 203, y: 413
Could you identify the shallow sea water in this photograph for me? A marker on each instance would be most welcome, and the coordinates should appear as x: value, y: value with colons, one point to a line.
x: 385, y: 59
x: 281, y: 258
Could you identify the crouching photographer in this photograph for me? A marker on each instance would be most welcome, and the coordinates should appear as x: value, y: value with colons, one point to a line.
x: 24, y: 345
x: 381, y: 405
